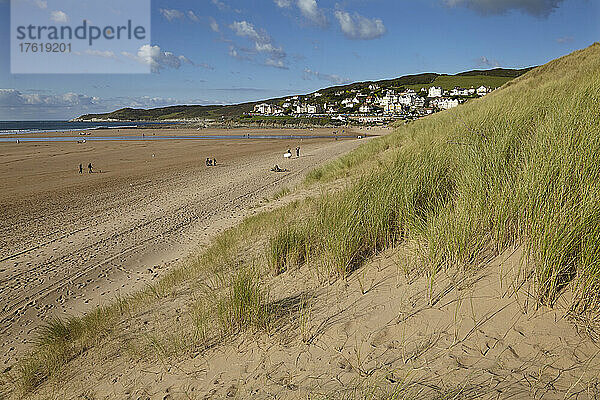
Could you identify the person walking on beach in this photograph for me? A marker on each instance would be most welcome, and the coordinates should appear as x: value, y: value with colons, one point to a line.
x: 80, y: 168
x: 208, y: 162
x: 90, y: 168
x: 298, y: 152
x: 214, y: 162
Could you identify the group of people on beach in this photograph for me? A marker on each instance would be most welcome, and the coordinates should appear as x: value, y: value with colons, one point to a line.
x: 90, y: 168
x: 211, y: 162
x: 288, y: 153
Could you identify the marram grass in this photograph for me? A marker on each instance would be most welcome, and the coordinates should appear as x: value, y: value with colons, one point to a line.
x: 519, y: 167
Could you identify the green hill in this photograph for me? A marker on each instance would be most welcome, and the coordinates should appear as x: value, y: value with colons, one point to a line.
x: 492, y: 78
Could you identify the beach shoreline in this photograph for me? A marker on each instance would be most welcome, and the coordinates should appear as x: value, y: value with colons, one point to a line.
x: 73, y: 241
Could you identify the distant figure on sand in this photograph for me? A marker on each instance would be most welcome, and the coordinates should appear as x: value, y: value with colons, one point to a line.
x: 277, y: 169
x: 288, y: 154
x: 208, y: 162
x: 214, y: 162
x: 298, y: 152
x: 90, y: 168
x: 81, y: 168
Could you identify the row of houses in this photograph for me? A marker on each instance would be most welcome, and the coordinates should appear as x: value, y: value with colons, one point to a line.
x: 436, y: 91
x: 388, y: 102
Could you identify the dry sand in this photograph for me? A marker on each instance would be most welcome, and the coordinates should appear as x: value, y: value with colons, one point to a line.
x: 70, y: 242
x: 477, y: 336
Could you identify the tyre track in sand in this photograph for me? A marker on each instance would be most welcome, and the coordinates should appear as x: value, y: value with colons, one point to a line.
x: 36, y: 295
x: 111, y: 247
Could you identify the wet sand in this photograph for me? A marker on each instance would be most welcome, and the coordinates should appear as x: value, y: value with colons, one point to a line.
x: 70, y: 241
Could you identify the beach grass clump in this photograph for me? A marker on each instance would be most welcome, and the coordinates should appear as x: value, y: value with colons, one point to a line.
x: 342, y: 166
x: 288, y: 248
x: 58, y: 342
x: 282, y: 193
x: 245, y: 304
x: 380, y: 209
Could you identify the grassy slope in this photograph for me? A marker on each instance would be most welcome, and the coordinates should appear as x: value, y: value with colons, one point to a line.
x: 450, y: 82
x: 516, y: 168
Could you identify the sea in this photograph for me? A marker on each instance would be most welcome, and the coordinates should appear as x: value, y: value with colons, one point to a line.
x: 20, y: 127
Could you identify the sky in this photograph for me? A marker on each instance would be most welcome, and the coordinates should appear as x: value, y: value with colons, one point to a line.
x: 231, y: 51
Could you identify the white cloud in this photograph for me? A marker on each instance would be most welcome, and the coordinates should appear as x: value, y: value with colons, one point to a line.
x: 59, y: 16
x: 13, y: 97
x: 537, y: 8
x: 311, y: 11
x: 488, y: 62
x: 193, y: 16
x: 42, y: 4
x: 336, y: 79
x: 214, y: 26
x: 206, y: 66
x: 565, y: 39
x: 100, y: 53
x: 263, y: 43
x: 233, y: 52
x: 222, y: 6
x: 158, y: 59
x: 34, y: 105
x: 283, y: 3
x: 359, y: 27
x: 171, y: 14
x: 244, y: 28
x: 275, y: 63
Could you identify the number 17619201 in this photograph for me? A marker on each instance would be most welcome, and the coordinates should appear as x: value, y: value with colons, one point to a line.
x: 34, y: 47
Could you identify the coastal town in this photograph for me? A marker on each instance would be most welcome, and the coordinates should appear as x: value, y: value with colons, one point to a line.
x: 371, y: 104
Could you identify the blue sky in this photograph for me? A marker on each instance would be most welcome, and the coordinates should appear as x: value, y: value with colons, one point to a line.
x: 228, y: 51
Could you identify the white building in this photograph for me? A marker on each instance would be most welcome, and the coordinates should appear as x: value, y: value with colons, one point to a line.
x: 263, y: 108
x: 393, y: 108
x: 312, y: 109
x: 405, y: 100
x: 348, y: 103
x: 330, y: 108
x: 482, y: 91
x: 435, y: 91
x: 445, y: 103
x: 388, y: 99
x: 365, y: 109
x: 419, y: 101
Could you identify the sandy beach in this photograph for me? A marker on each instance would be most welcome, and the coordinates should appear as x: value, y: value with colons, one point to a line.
x: 70, y: 242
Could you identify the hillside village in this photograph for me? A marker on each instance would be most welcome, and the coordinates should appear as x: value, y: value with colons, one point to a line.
x: 372, y: 103
x: 369, y: 102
